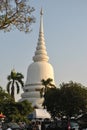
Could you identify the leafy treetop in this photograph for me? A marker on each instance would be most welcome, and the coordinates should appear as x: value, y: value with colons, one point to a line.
x: 16, y: 14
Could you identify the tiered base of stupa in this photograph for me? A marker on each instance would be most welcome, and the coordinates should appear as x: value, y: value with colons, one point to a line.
x: 39, y: 114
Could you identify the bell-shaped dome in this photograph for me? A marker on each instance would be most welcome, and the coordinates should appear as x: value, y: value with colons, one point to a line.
x: 38, y: 71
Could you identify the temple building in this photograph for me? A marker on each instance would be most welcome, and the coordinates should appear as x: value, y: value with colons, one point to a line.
x: 38, y: 70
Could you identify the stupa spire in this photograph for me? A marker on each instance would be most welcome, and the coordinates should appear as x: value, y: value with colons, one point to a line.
x: 41, y: 53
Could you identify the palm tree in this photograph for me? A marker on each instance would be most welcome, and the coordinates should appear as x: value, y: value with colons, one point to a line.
x: 15, y: 80
x: 47, y: 84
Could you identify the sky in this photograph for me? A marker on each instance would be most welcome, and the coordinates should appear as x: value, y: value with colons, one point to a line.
x: 65, y: 30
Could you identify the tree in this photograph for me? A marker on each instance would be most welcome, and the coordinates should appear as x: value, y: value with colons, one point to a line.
x: 47, y: 84
x: 5, y: 100
x: 11, y: 109
x: 52, y: 98
x: 70, y: 99
x: 15, y: 81
x: 73, y: 98
x: 25, y: 107
x: 3, y: 95
x: 16, y: 14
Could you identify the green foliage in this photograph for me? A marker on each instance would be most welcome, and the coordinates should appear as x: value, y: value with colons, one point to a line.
x: 25, y: 107
x: 16, y: 14
x: 70, y: 99
x: 51, y: 101
x: 15, y: 81
x: 73, y: 95
x: 6, y: 101
x: 47, y: 84
x: 14, y: 110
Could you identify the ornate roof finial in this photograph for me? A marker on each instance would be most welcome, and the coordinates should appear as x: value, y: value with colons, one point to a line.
x: 41, y: 53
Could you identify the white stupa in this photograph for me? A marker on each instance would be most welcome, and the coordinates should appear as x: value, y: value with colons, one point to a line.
x: 38, y: 70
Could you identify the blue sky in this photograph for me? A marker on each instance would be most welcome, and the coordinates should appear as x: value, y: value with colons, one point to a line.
x: 65, y: 30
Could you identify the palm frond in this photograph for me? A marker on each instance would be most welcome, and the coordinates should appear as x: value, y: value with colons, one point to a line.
x: 18, y: 87
x: 12, y: 90
x: 20, y: 76
x: 21, y: 83
x: 52, y: 85
x: 43, y: 81
x: 8, y: 86
x: 49, y: 80
x: 8, y: 77
x: 41, y: 92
